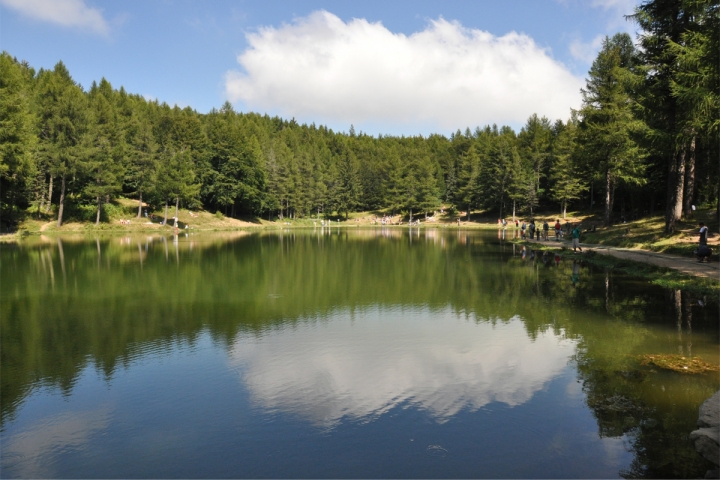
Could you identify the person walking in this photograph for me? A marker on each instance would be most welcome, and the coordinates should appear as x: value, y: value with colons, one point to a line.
x: 576, y: 238
x: 558, y: 229
x: 522, y: 230
x: 546, y: 229
x: 703, y: 233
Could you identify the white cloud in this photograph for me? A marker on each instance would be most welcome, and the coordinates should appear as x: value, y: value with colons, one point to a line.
x: 627, y: 6
x: 322, y: 69
x: 68, y: 13
x: 383, y: 358
x: 586, y: 51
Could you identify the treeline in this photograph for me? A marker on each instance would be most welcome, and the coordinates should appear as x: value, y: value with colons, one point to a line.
x: 645, y: 139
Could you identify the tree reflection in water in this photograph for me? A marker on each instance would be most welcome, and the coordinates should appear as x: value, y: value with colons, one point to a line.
x: 68, y: 303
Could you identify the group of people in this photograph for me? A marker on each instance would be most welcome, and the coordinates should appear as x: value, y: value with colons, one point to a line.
x: 385, y: 220
x: 532, y: 230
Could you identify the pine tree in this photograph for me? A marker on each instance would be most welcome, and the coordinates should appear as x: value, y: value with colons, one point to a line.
x: 142, y: 160
x: 608, y: 127
x: 176, y: 180
x: 664, y: 22
x: 104, y: 160
x: 17, y: 134
x: 497, y: 171
x: 568, y: 182
x: 347, y: 190
x: 534, y: 147
x: 63, y: 124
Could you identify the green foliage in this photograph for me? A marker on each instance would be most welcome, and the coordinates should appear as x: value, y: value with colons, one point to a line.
x: 17, y: 133
x: 644, y: 112
x: 608, y: 128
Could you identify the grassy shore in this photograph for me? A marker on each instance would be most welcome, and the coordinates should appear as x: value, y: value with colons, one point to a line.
x: 646, y: 233
x: 664, y: 277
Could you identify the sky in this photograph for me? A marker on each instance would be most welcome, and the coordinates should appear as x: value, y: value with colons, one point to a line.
x: 385, y: 67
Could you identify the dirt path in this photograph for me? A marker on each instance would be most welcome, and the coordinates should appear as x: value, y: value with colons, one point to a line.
x: 686, y: 265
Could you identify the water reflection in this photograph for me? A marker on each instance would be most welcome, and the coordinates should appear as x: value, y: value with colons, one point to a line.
x: 27, y: 452
x: 364, y: 363
x: 360, y: 325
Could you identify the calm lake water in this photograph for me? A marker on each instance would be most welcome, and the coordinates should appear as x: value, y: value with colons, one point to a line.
x: 336, y: 353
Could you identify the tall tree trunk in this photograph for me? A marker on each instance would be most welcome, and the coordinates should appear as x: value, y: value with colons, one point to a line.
x: 99, y: 207
x: 49, y: 198
x: 689, y: 181
x: 166, y: 211
x: 177, y: 203
x: 41, y: 201
x: 564, y: 209
x: 468, y: 213
x: 608, y: 199
x: 592, y: 192
x: 41, y: 197
x: 61, y: 203
x: 12, y: 207
x: 675, y: 188
x: 140, y: 206
x: 513, y: 210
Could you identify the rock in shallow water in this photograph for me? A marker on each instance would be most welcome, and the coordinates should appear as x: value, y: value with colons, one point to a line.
x: 707, y: 437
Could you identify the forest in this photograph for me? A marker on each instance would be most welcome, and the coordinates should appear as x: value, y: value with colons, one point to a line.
x: 644, y: 142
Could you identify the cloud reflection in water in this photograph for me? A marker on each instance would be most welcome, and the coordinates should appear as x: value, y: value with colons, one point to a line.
x: 361, y: 364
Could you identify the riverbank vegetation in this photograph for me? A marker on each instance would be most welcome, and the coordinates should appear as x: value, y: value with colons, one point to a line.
x: 643, y: 142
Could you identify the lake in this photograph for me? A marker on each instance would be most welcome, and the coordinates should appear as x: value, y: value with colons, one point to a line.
x: 335, y: 352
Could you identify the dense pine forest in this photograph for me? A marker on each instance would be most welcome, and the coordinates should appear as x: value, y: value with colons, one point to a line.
x: 644, y: 141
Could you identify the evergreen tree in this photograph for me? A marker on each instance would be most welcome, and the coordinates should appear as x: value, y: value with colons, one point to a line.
x: 347, y: 189
x: 696, y: 86
x: 497, y: 171
x: 608, y: 127
x: 104, y: 159
x: 568, y: 181
x: 534, y: 147
x: 176, y: 180
x: 17, y: 134
x: 63, y: 121
x: 663, y: 22
x: 142, y: 160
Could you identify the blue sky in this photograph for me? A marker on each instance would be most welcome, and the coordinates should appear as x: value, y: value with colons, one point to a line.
x: 393, y: 67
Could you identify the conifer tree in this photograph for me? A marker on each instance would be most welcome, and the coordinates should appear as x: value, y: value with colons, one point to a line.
x: 608, y: 127
x: 17, y: 133
x: 104, y: 160
x: 568, y: 181
x: 63, y: 121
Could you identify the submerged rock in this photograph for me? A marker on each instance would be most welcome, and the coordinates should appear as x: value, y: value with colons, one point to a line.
x: 707, y: 438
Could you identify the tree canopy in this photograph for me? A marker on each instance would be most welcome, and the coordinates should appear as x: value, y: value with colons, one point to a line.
x: 645, y: 136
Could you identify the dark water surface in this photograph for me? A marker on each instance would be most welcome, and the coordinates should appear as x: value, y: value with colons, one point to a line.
x: 367, y: 353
